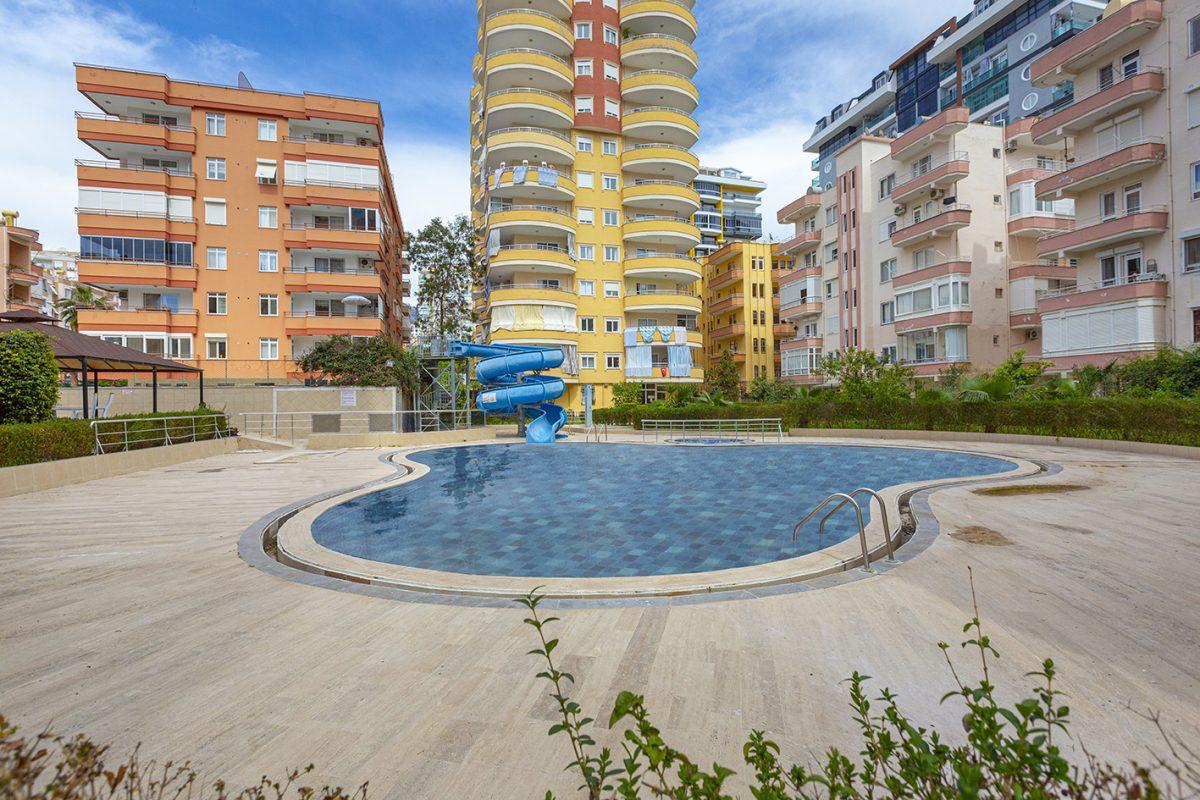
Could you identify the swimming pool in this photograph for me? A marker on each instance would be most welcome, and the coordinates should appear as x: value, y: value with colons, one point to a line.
x: 619, y: 510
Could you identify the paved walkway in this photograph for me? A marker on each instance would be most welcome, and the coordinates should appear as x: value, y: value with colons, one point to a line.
x: 125, y: 612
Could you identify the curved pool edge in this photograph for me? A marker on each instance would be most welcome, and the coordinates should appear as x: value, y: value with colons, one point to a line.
x: 292, y: 546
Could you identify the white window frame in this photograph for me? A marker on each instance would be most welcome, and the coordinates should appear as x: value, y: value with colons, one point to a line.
x: 584, y: 105
x: 219, y: 300
x: 612, y: 324
x: 612, y: 360
x: 584, y: 68
x: 214, y: 168
x: 586, y: 216
x: 216, y: 258
x: 268, y: 130
x: 583, y: 30
x: 585, y: 180
x: 272, y: 348
x: 272, y: 302
x: 610, y: 147
x: 214, y: 124
x: 587, y: 252
x: 612, y: 108
x: 610, y: 183
x: 587, y: 287
x: 272, y: 216
x: 216, y: 211
x: 583, y: 144
x: 612, y: 253
x: 611, y: 217
x: 587, y: 324
x: 211, y: 339
x: 611, y: 35
x: 612, y: 289
x: 268, y: 261
x: 612, y: 71
x: 587, y: 360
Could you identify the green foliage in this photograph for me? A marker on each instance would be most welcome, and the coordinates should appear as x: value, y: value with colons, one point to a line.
x: 1170, y: 373
x: 32, y: 443
x: 444, y: 255
x: 627, y: 394
x: 374, y: 362
x: 48, y: 766
x: 861, y: 375
x: 724, y: 376
x: 680, y: 395
x: 82, y: 296
x: 1009, y: 751
x: 28, y: 377
x: 1021, y: 372
x: 763, y: 390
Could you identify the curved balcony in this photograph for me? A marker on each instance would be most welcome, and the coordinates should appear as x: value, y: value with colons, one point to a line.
x: 1130, y: 159
x: 661, y: 125
x: 528, y: 144
x: 532, y: 221
x: 676, y: 267
x: 560, y: 9
x: 513, y: 258
x: 666, y: 162
x: 659, y: 51
x: 940, y: 173
x: 1089, y: 110
x: 662, y: 197
x: 533, y: 108
x: 1036, y: 225
x: 669, y: 232
x: 672, y: 17
x: 945, y: 222
x: 1109, y: 36
x: 525, y: 68
x: 532, y: 293
x: 657, y: 87
x: 803, y: 243
x: 556, y: 188
x: 535, y: 337
x: 1092, y: 234
x: 799, y: 209
x: 662, y: 300
x: 523, y: 27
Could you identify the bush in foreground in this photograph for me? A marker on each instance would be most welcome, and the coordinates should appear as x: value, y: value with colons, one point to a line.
x: 28, y: 377
x: 1008, y: 751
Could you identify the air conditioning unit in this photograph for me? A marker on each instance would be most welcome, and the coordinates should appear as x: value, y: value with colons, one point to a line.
x: 900, y: 210
x: 1032, y: 335
x: 1010, y: 146
x: 937, y: 194
x: 364, y: 262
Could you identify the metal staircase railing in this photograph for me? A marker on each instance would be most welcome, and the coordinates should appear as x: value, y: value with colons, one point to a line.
x: 858, y: 513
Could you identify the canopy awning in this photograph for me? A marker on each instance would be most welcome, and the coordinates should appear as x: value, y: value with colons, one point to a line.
x: 76, y: 352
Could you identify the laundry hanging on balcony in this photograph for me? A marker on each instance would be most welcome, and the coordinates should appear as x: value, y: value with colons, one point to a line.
x: 647, y: 334
x: 493, y: 246
x: 638, y: 361
x: 631, y: 337
x: 679, y: 361
x: 519, y: 174
x: 547, y: 177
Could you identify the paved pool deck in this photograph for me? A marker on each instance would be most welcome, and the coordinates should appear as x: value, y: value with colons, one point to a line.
x: 126, y: 612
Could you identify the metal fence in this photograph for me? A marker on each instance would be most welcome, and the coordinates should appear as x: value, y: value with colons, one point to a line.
x: 296, y: 427
x: 715, y: 429
x: 140, y: 433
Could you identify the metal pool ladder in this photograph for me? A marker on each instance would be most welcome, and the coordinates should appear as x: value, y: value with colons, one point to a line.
x: 858, y: 513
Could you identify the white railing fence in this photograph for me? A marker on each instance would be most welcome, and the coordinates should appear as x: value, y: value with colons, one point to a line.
x: 731, y: 429
x: 121, y: 435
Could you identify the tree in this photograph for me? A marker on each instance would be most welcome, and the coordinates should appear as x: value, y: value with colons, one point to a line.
x: 28, y: 377
x: 861, y: 375
x: 374, y: 362
x: 445, y: 260
x: 724, y: 375
x: 83, y: 296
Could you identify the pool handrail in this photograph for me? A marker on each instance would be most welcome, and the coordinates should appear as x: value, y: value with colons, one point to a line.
x: 763, y: 427
x: 887, y: 528
x: 862, y: 530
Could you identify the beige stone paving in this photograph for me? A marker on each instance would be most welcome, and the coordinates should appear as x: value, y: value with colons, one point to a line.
x: 125, y: 612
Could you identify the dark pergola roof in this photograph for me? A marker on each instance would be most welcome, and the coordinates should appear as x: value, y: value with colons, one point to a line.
x: 77, y: 352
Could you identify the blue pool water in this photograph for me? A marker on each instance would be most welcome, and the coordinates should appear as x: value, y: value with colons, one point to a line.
x: 580, y: 510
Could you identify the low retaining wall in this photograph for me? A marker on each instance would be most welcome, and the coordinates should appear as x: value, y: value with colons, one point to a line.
x: 52, y: 474
x: 336, y: 441
x: 1116, y: 445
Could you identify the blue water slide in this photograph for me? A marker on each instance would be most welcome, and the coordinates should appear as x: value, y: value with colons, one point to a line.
x: 504, y: 372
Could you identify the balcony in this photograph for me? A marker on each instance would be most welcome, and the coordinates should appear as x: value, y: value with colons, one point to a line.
x: 331, y: 323
x: 1094, y: 323
x: 660, y: 87
x: 137, y: 224
x: 529, y: 144
x: 678, y: 267
x: 21, y: 277
x: 1132, y: 158
x: 725, y: 279
x: 939, y: 173
x: 802, y: 243
x: 527, y: 68
x: 515, y: 28
x: 128, y: 175
x: 534, y: 108
x: 949, y: 219
x: 960, y: 266
x: 330, y: 193
x: 112, y: 134
x: 1098, y: 232
x: 115, y: 272
x: 1034, y: 169
x: 737, y: 300
x: 661, y: 161
x: 1088, y: 111
x: 671, y: 17
x: 531, y: 220
x: 941, y: 127
x: 782, y: 330
x: 803, y: 307
x: 661, y: 125
x: 668, y: 231
x: 138, y: 319
x: 799, y: 209
x: 659, y: 51
x: 728, y: 332
x: 538, y: 185
x: 533, y: 292
x: 1148, y: 285
x: 664, y: 196
x: 309, y: 236
x: 300, y: 147
x: 1037, y: 224
x: 664, y: 300
x: 311, y: 279
x: 547, y: 258
x: 1107, y: 37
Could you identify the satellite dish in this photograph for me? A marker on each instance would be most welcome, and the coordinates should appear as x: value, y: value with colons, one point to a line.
x: 243, y: 82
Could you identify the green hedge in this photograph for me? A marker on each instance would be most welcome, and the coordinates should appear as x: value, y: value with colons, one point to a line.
x: 147, y: 430
x: 33, y: 442
x: 1121, y: 418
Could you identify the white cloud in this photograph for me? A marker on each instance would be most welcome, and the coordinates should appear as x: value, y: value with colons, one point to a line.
x: 431, y: 179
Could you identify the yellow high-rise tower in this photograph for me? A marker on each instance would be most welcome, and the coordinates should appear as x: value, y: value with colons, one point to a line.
x: 581, y: 137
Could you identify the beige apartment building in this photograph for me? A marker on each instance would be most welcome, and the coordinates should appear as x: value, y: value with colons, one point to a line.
x: 1074, y: 236
x: 19, y: 272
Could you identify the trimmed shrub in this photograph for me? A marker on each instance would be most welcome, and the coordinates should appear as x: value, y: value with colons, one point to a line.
x: 141, y: 431
x: 28, y: 377
x: 35, y: 442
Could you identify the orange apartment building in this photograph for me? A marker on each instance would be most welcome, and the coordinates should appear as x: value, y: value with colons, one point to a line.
x: 238, y: 227
x: 18, y: 272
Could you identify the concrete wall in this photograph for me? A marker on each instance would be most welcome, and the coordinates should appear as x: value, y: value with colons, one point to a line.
x: 335, y: 441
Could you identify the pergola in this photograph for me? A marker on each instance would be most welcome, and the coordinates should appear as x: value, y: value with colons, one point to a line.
x: 82, y: 354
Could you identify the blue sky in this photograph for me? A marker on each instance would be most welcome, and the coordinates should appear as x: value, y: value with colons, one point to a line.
x: 769, y: 69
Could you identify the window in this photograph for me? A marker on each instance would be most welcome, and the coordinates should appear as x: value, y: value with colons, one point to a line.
x: 1194, y: 36
x: 887, y: 270
x: 1191, y: 254
x: 268, y: 261
x: 218, y: 303
x: 583, y: 144
x: 583, y: 68
x: 610, y: 183
x: 886, y: 185
x: 612, y: 253
x: 364, y: 219
x: 216, y: 347
x: 1131, y: 64
x: 612, y: 324
x: 610, y: 147
x: 268, y: 305
x: 612, y: 108
x: 215, y: 258
x: 266, y: 171
x: 1108, y: 205
x: 216, y: 169
x: 587, y: 288
x: 587, y: 216
x: 1196, y: 181
x: 583, y: 30
x: 612, y: 71
x: 587, y: 360
x: 612, y: 360
x: 1133, y: 198
x: 214, y: 124
x: 587, y: 324
x: 887, y: 312
x: 612, y: 289
x: 1104, y: 77
x: 610, y: 35
x: 268, y: 217
x: 585, y: 180
x: 268, y: 130
x: 268, y: 349
x: 583, y: 105
x: 612, y: 217
x: 1193, y: 108
x: 214, y: 212
x: 587, y: 252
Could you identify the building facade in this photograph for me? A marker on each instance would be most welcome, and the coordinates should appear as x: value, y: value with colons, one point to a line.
x: 237, y: 227
x: 741, y: 307
x: 582, y: 186
x: 20, y: 273
x: 729, y: 208
x: 59, y: 277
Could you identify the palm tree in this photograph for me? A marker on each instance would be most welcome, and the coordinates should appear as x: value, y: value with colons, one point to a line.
x: 84, y: 296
